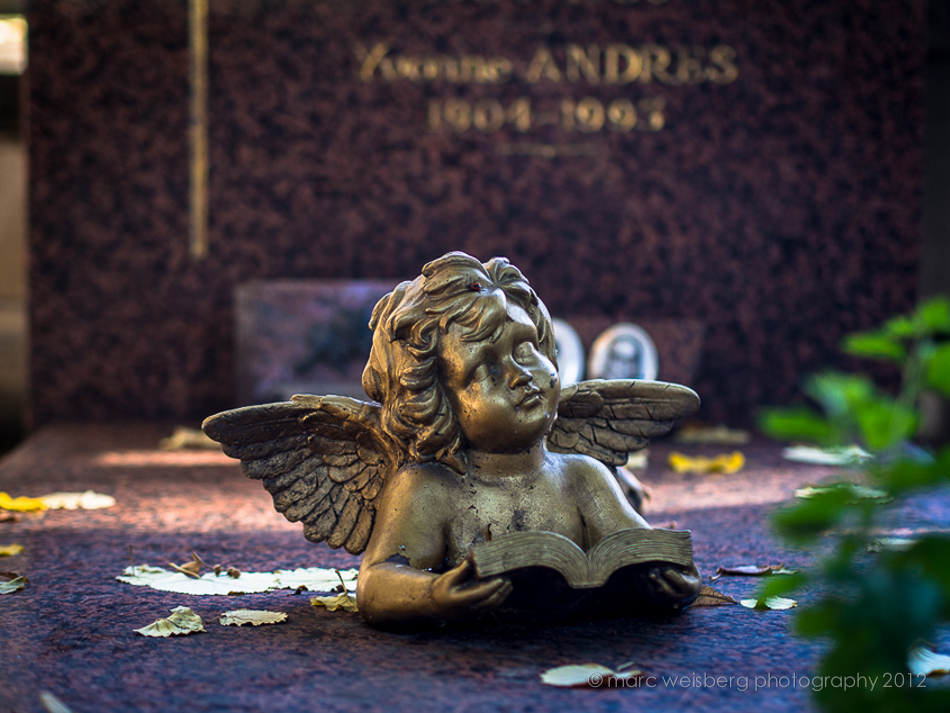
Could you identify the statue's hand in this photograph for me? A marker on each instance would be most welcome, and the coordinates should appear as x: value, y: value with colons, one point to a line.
x: 454, y: 597
x: 671, y: 586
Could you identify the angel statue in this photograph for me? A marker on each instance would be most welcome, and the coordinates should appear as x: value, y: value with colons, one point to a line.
x: 468, y: 437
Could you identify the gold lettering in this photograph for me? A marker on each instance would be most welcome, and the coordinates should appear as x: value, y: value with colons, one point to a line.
x: 543, y: 65
x: 689, y: 67
x: 430, y: 68
x: 622, y: 115
x: 652, y: 109
x: 498, y: 70
x: 388, y: 69
x: 519, y: 113
x: 580, y: 62
x: 633, y: 64
x: 458, y: 113
x: 407, y: 68
x: 567, y: 114
x: 723, y: 56
x: 590, y: 115
x: 370, y: 60
x: 656, y: 60
x: 488, y: 115
x: 473, y: 69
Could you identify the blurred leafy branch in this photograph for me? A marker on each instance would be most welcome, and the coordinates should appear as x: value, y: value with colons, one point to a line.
x: 873, y: 607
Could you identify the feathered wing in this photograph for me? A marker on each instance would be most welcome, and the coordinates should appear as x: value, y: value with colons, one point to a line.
x: 324, y: 459
x: 609, y: 419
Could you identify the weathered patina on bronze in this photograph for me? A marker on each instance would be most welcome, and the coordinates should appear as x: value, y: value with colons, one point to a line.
x: 469, y: 437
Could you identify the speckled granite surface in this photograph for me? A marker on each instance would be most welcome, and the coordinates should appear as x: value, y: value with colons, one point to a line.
x: 781, y: 209
x: 70, y: 632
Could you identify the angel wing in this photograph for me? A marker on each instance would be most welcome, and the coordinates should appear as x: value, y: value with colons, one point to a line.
x: 324, y: 459
x: 609, y: 419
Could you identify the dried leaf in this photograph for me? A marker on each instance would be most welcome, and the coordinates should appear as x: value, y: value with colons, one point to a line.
x: 192, y: 568
x: 316, y: 579
x: 255, y: 617
x: 922, y: 660
x: 586, y: 675
x: 773, y: 603
x: 13, y: 585
x: 709, y: 597
x: 88, y: 500
x: 182, y: 621
x: 341, y: 602
x: 21, y: 504
x: 725, y: 463
x: 751, y: 570
x: 826, y: 456
x: 10, y: 550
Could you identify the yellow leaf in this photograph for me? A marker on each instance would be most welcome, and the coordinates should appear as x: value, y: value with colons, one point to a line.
x: 726, y: 463
x: 10, y: 550
x: 13, y: 585
x: 341, y: 602
x: 590, y: 675
x: 255, y: 617
x: 182, y: 621
x: 924, y: 661
x: 774, y: 603
x: 21, y: 504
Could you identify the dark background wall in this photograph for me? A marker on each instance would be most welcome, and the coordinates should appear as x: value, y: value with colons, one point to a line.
x: 783, y: 208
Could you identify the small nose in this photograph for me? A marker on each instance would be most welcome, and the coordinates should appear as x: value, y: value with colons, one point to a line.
x: 520, y: 376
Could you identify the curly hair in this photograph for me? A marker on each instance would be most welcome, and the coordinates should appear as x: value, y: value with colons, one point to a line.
x: 403, y: 370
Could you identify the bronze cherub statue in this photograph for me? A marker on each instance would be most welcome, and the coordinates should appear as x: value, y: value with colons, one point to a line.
x: 470, y: 437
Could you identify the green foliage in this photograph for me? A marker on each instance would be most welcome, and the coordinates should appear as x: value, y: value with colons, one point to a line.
x: 873, y: 607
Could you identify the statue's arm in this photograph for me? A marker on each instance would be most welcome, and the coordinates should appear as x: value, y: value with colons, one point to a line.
x: 396, y: 583
x: 605, y: 510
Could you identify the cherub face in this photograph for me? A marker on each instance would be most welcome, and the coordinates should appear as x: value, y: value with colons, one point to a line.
x: 504, y: 392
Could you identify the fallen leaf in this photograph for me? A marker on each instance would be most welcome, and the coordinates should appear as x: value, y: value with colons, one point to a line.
x: 21, y: 504
x: 890, y: 544
x: 826, y: 456
x: 709, y: 597
x: 751, y: 570
x: 10, y: 550
x: 586, y: 675
x: 191, y: 568
x: 857, y: 492
x: 341, y: 602
x: 713, y: 435
x: 255, y: 617
x: 922, y: 660
x: 773, y: 603
x: 182, y: 621
x: 13, y: 585
x: 184, y: 437
x: 316, y: 579
x: 725, y: 463
x: 89, y: 500
x: 52, y: 704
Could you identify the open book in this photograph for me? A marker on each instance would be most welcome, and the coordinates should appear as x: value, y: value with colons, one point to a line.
x: 519, y: 550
